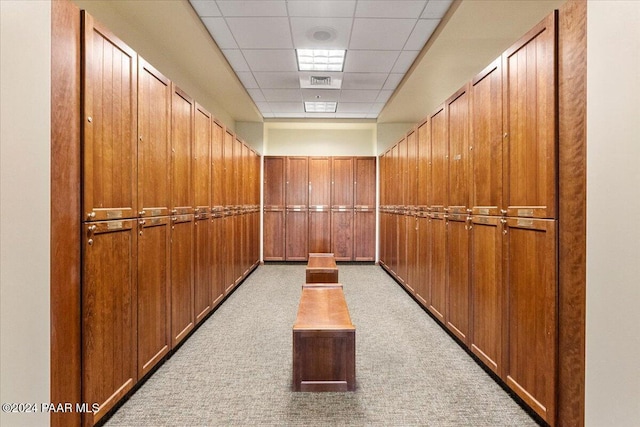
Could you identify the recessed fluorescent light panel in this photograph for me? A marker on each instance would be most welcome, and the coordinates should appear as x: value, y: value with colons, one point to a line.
x: 320, y: 59
x: 320, y: 107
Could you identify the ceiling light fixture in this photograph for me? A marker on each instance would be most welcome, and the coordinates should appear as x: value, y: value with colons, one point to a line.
x: 320, y: 59
x: 320, y: 107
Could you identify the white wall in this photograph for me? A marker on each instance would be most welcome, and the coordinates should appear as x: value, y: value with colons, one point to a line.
x: 25, y: 57
x: 613, y: 238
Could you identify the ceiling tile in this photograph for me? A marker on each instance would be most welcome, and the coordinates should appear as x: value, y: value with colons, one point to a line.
x: 268, y: 115
x: 282, y: 95
x: 256, y: 95
x: 353, y: 107
x: 271, y: 59
x: 376, y: 108
x: 384, y: 96
x: 205, y: 7
x: 370, y: 116
x: 358, y: 95
x: 277, y: 80
x: 363, y: 80
x: 421, y: 33
x: 290, y: 115
x: 220, y: 32
x: 253, y: 7
x: 404, y: 61
x: 320, y: 115
x: 261, y: 33
x: 247, y: 80
x: 287, y: 107
x: 323, y: 8
x: 264, y: 107
x: 389, y: 9
x: 235, y: 58
x: 370, y: 61
x: 380, y: 34
x: 324, y: 94
x: 351, y: 115
x: 304, y: 28
x: 392, y: 81
x: 436, y: 8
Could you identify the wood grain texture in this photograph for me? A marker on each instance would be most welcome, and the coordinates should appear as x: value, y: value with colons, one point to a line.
x: 319, y: 183
x: 217, y: 166
x: 364, y: 235
x: 424, y: 165
x: 319, y: 231
x: 274, y: 235
x: 182, y: 113
x: 229, y: 170
x: 423, y: 277
x: 296, y: 235
x: 65, y: 205
x: 202, y: 267
x: 274, y: 182
x: 342, y: 234
x: 411, y: 184
x: 458, y: 292
x: 572, y: 61
x: 439, y: 178
x: 297, y: 182
x: 342, y: 181
x: 457, y: 117
x: 202, y: 137
x: 182, y: 258
x: 365, y: 183
x: 438, y: 265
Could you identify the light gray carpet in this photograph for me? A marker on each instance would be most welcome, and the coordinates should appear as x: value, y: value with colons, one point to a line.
x: 236, y: 368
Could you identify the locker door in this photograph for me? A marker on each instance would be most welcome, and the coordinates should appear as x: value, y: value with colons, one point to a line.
x: 297, y: 248
x: 342, y: 234
x: 423, y: 279
x: 319, y: 230
x: 438, y: 264
x: 486, y: 141
x: 182, y: 152
x: 217, y: 167
x: 238, y: 247
x: 319, y: 204
x: 273, y: 235
x: 182, y: 257
x: 342, y: 181
x: 364, y: 235
x: 382, y: 255
x: 530, y: 123
x: 154, y: 292
x: 365, y: 183
x: 411, y: 184
x: 439, y: 177
x: 532, y: 312
x: 457, y: 312
x: 402, y: 172
x: 424, y: 166
x: 202, y: 268
x: 393, y: 242
x: 487, y: 293
x: 217, y: 258
x: 411, y: 255
x: 458, y: 150
x: 154, y: 141
x: 108, y: 313
x: 202, y: 159
x: 274, y: 182
x: 402, y: 248
x: 110, y: 125
x: 297, y: 180
x: 229, y: 251
x: 229, y: 170
x: 274, y: 209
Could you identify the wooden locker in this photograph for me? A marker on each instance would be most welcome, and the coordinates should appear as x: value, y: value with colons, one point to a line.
x: 458, y: 292
x: 296, y: 234
x: 342, y: 234
x: 242, y: 159
x: 365, y: 183
x: 274, y: 235
x: 529, y: 69
x: 532, y: 312
x: 154, y: 292
x: 182, y: 152
x: 457, y: 116
x: 319, y: 230
x: 486, y: 141
x: 110, y: 125
x: 438, y: 266
x: 342, y: 182
x: 401, y: 269
x: 487, y: 292
x: 319, y: 204
x: 423, y: 279
x: 229, y: 170
x: 411, y: 254
x: 382, y: 255
x: 230, y: 241
x: 182, y: 257
x: 392, y: 232
x: 216, y: 231
x: 237, y: 173
x: 238, y: 247
x: 202, y: 159
x: 297, y: 182
x: 411, y: 184
x: 274, y: 182
x: 154, y: 141
x: 109, y: 324
x: 439, y: 178
x: 202, y: 267
x: 364, y: 235
x: 403, y: 177
x: 217, y: 167
x: 424, y: 166
x: 395, y: 195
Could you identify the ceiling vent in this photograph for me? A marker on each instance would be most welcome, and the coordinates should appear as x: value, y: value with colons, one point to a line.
x: 320, y: 80
x: 315, y: 80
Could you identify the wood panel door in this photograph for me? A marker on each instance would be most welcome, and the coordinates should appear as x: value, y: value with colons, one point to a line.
x: 458, y: 150
x: 229, y: 170
x: 487, y: 292
x: 438, y: 265
x: 202, y: 267
x: 458, y: 292
x: 110, y: 125
x: 411, y: 254
x: 402, y: 172
x: 297, y: 182
x: 319, y: 182
x: 439, y: 170
x: 342, y: 182
x: 109, y: 323
x: 395, y: 195
x: 486, y: 141
x: 392, y: 232
x: 202, y: 159
x: 273, y: 247
x: 365, y: 183
x: 244, y: 175
x: 423, y: 279
x: 238, y: 247
x: 154, y: 292
x: 182, y: 152
x: 216, y: 230
x: 424, y: 165
x: 529, y: 68
x: 154, y: 141
x: 182, y: 257
x: 274, y: 182
x: 401, y: 240
x: 411, y: 184
x: 319, y: 230
x: 342, y: 234
x: 364, y: 241
x: 296, y: 235
x: 217, y: 166
x: 383, y: 239
x: 532, y: 312
x: 229, y: 251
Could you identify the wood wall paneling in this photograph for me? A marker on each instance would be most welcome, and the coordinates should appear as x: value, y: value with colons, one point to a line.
x: 182, y: 113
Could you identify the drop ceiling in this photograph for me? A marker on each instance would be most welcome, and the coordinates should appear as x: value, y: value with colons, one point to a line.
x: 259, y: 39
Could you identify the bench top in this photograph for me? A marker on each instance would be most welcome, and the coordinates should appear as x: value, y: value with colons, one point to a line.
x: 323, y: 308
x: 321, y: 263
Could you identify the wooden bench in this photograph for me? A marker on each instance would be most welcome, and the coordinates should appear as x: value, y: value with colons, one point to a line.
x: 324, y: 342
x: 321, y: 268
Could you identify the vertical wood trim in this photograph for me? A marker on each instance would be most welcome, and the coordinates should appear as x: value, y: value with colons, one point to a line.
x: 572, y: 61
x: 65, y: 209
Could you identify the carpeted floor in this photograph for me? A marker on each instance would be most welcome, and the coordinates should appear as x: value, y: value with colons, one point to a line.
x: 235, y: 370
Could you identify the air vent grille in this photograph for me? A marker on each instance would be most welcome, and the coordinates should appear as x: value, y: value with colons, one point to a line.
x: 320, y: 81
